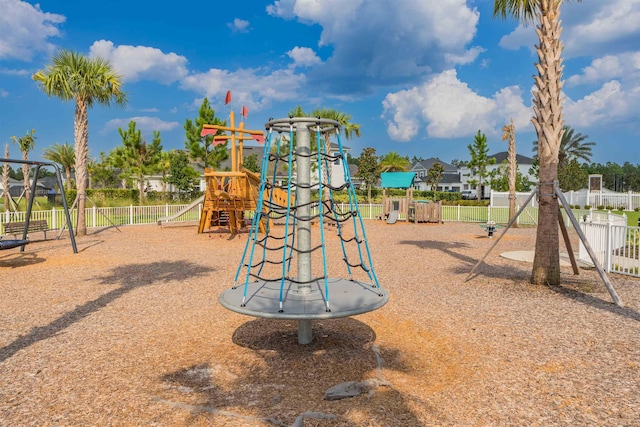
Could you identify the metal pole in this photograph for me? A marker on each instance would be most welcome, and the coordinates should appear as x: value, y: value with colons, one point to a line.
x: 587, y: 246
x: 303, y: 224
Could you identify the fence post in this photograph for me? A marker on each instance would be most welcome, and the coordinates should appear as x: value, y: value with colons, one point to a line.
x: 166, y: 209
x: 607, y: 261
x: 131, y: 214
x: 518, y: 217
x: 458, y: 212
x: 489, y: 213
x: 54, y: 223
x: 94, y: 216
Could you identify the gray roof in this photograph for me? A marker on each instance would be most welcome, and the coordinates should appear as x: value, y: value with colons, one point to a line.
x: 504, y: 156
x: 428, y: 163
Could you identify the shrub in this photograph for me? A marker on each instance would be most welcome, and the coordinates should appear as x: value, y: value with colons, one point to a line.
x: 600, y: 207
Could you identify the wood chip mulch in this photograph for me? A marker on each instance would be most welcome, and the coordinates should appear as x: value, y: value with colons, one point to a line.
x: 129, y: 331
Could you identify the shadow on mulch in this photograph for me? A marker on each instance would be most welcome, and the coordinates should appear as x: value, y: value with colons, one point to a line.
x: 20, y: 259
x: 596, y: 302
x: 291, y: 378
x: 129, y: 277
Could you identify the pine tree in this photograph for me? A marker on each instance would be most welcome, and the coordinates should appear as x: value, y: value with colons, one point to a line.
x: 201, y: 148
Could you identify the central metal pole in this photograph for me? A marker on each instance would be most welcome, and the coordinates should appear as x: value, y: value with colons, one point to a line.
x: 303, y: 230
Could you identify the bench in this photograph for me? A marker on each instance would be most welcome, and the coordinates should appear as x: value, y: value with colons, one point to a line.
x: 16, y: 228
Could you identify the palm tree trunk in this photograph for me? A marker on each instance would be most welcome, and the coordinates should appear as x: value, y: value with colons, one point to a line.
x: 67, y: 172
x: 25, y: 176
x: 548, y: 122
x: 5, y: 178
x: 81, y: 135
x: 512, y: 171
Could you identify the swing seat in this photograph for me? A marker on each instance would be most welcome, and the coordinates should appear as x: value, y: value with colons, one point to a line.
x: 10, y: 244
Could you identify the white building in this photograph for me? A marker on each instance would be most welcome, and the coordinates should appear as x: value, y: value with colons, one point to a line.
x: 524, y: 166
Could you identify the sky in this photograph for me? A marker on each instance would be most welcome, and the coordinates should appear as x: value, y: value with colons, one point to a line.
x: 420, y: 77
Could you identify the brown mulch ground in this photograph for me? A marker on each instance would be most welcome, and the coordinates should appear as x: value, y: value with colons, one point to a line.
x: 129, y: 332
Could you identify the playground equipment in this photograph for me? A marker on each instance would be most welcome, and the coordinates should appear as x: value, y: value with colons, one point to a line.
x: 229, y: 194
x: 424, y: 211
x: 8, y: 244
x: 405, y: 208
x: 277, y: 277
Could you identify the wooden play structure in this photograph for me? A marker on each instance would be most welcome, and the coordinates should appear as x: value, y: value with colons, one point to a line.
x: 405, y: 208
x: 229, y: 194
x: 422, y: 211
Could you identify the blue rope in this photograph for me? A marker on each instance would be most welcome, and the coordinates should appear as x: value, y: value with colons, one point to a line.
x: 345, y: 256
x: 255, y: 224
x: 352, y: 198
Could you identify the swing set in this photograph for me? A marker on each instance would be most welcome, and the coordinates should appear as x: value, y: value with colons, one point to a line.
x: 27, y: 224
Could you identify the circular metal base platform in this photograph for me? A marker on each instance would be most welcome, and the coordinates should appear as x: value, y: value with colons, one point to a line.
x: 346, y: 298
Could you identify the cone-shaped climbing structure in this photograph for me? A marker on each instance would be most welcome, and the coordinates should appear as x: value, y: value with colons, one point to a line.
x: 313, y: 261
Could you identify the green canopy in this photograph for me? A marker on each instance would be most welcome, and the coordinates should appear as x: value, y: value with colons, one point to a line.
x: 397, y: 179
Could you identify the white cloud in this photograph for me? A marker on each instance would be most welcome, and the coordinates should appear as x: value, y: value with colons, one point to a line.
x: 145, y: 123
x: 521, y: 36
x: 141, y: 62
x: 253, y: 87
x: 381, y: 42
x: 448, y: 108
x: 25, y: 30
x: 608, y: 105
x: 14, y: 72
x: 623, y: 66
x: 303, y: 57
x: 604, y: 27
x: 239, y: 25
x: 589, y: 28
x: 3, y: 93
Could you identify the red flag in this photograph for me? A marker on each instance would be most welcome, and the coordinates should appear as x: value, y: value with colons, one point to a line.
x: 227, y: 99
x: 258, y: 138
x: 219, y: 140
x: 245, y: 111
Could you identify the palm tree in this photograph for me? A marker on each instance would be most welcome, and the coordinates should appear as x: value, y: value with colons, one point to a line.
x: 64, y: 155
x: 548, y: 121
x: 571, y: 147
x: 394, y: 162
x: 5, y: 179
x: 348, y: 128
x: 74, y: 77
x: 26, y: 144
x: 510, y: 134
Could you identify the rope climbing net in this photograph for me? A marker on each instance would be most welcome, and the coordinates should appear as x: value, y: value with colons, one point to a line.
x: 291, y: 270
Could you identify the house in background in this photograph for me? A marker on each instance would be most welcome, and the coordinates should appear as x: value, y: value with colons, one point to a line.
x: 524, y: 164
x: 457, y: 179
x: 450, y: 177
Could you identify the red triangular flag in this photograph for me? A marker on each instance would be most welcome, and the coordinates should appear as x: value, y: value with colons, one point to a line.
x: 245, y: 111
x: 227, y: 99
x: 258, y: 138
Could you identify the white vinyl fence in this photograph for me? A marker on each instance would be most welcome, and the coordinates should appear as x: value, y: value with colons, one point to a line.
x: 606, y: 199
x: 615, y: 244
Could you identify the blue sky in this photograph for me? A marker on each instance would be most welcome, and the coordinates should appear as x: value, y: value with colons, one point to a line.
x: 421, y: 77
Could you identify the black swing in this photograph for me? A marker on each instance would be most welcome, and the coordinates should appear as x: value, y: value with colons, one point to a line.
x: 10, y: 244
